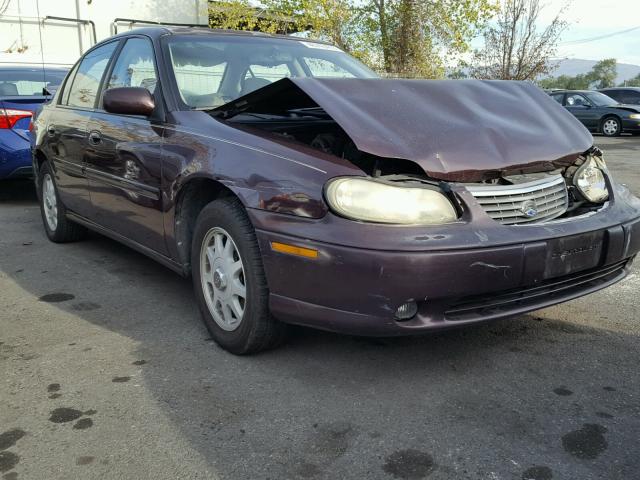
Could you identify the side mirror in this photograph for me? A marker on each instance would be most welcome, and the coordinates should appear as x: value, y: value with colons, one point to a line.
x: 128, y: 101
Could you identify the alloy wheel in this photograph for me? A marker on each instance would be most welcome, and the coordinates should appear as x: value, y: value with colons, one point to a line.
x: 50, y: 202
x: 610, y: 127
x: 223, y: 279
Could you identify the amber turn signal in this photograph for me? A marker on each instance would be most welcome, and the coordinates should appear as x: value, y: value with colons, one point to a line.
x: 293, y: 250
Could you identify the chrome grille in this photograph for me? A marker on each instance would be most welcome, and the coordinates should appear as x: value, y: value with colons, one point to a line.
x: 532, y: 202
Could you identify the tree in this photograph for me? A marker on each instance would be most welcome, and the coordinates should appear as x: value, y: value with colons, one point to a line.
x: 402, y: 37
x: 603, y: 74
x: 516, y: 48
x: 242, y: 15
x: 579, y: 82
x: 457, y: 74
x: 331, y: 20
x: 632, y: 82
x: 411, y: 35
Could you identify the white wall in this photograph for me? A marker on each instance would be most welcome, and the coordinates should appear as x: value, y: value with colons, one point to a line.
x: 23, y: 29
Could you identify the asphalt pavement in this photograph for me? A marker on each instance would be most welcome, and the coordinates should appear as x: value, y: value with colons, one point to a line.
x: 106, y: 372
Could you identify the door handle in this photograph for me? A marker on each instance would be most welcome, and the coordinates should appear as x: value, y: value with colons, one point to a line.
x: 95, y: 138
x: 51, y: 130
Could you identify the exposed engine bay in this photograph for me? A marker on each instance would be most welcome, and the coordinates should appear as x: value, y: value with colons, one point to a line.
x: 313, y: 127
x: 428, y: 134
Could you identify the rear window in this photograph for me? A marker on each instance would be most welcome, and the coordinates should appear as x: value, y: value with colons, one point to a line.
x: 28, y: 82
x: 270, y: 73
x: 199, y: 79
x: 615, y: 94
x: 631, y: 96
x: 321, y: 68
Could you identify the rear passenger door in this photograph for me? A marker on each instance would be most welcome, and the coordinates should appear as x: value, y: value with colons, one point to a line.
x: 124, y: 158
x: 67, y: 127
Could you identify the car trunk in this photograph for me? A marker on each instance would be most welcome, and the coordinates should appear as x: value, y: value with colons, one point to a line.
x: 29, y: 103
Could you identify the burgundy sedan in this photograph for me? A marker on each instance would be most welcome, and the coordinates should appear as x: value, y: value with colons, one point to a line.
x: 296, y: 187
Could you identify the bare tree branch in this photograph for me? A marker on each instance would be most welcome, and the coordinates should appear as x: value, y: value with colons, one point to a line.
x: 516, y: 48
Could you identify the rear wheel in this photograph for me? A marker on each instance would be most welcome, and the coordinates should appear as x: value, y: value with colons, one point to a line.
x: 229, y: 280
x: 611, y: 127
x: 56, y: 224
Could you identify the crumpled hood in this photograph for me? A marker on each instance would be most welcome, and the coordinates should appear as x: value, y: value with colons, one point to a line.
x: 628, y: 107
x: 454, y: 129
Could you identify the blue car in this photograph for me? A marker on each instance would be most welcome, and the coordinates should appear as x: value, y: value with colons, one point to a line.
x: 22, y: 91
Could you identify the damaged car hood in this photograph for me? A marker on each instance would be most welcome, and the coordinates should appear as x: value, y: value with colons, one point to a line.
x: 457, y: 130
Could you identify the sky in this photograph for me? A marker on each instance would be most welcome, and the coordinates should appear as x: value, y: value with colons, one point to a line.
x: 597, y: 18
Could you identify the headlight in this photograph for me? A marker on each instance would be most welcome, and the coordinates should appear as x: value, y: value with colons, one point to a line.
x: 589, y: 179
x: 372, y: 201
x: 635, y: 116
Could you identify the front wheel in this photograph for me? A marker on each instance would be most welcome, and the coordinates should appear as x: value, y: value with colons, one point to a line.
x: 229, y: 280
x: 57, y: 226
x: 611, y: 127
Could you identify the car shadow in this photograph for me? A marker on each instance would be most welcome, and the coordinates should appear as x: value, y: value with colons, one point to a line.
x: 17, y: 192
x: 334, y: 406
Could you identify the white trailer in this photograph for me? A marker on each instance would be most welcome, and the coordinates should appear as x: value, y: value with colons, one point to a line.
x: 57, y: 32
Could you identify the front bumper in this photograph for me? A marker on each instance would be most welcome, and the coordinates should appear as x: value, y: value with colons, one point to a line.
x: 631, y: 126
x: 463, y: 273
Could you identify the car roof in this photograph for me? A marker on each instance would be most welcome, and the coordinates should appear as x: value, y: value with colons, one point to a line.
x: 160, y: 31
x: 571, y: 91
x: 33, y: 68
x: 618, y: 88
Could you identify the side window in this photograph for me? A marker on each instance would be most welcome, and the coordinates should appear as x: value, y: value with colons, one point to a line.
x: 64, y: 95
x: 615, y: 94
x: 558, y: 97
x: 135, y: 66
x: 576, y: 100
x: 632, y: 97
x: 87, y: 79
x: 319, y: 67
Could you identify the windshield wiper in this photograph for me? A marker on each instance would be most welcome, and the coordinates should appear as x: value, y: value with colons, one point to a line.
x: 310, y: 112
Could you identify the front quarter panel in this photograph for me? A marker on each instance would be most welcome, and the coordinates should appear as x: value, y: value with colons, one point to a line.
x: 263, y: 174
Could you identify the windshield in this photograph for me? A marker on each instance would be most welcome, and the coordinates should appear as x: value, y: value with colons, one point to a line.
x: 29, y: 81
x: 210, y: 72
x: 600, y: 99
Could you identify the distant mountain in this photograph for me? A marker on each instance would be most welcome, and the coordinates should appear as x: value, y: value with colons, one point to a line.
x: 574, y: 66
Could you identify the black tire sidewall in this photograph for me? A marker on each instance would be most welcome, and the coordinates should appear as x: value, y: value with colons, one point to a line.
x: 225, y: 214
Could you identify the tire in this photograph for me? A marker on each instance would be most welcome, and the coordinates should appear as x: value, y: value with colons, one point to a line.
x: 611, y: 127
x: 57, y: 226
x: 227, y: 264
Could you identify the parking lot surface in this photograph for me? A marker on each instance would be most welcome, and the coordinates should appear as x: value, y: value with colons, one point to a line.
x: 106, y: 371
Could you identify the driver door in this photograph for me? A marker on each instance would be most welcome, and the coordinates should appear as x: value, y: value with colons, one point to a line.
x: 583, y: 110
x: 124, y: 155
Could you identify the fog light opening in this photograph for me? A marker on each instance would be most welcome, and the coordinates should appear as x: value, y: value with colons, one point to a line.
x: 407, y: 311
